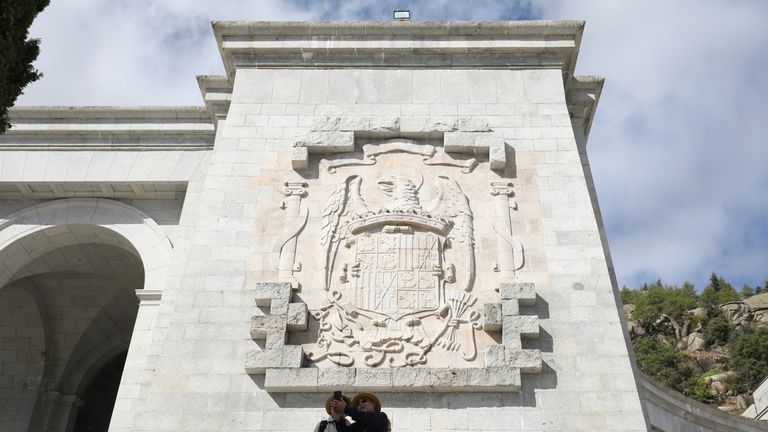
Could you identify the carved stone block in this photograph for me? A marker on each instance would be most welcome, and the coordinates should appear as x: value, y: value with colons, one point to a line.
x: 275, y: 339
x: 406, y: 378
x: 261, y: 326
x: 504, y: 377
x: 373, y: 379
x: 529, y: 361
x: 444, y: 379
x: 497, y: 155
x: 300, y: 158
x: 525, y: 293
x: 292, y: 356
x: 279, y: 306
x: 341, y: 378
x: 494, y: 356
x: 327, y: 142
x: 297, y: 317
x: 510, y: 307
x: 257, y: 362
x: 492, y: 317
x: 294, y: 380
x: 525, y: 325
x: 511, y: 340
x: 266, y: 292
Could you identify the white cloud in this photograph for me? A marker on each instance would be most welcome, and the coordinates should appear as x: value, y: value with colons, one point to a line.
x: 677, y: 147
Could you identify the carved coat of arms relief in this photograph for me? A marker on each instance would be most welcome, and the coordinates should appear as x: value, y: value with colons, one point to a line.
x: 398, y: 274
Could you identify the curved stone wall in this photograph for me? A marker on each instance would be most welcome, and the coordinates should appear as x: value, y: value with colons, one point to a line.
x: 670, y: 411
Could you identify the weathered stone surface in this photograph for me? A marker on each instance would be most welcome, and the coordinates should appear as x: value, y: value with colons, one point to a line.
x: 327, y: 142
x: 525, y: 325
x: 341, y: 378
x: 525, y: 293
x: 529, y: 361
x: 266, y: 292
x: 261, y: 326
x: 297, y: 317
x: 510, y: 307
x: 492, y: 317
x: 406, y: 378
x: 497, y: 155
x: 291, y: 380
x: 495, y: 356
x: 373, y: 379
x: 300, y: 158
x: 257, y: 362
x: 695, y: 342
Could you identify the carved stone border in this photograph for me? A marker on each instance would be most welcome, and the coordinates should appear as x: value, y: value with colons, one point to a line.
x: 282, y: 364
x: 460, y: 135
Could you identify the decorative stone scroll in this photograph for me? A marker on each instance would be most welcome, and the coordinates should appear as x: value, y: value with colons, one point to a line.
x: 460, y: 135
x: 430, y: 155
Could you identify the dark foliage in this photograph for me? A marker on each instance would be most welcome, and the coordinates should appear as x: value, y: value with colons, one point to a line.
x: 718, y: 291
x: 749, y: 357
x: 17, y: 51
x: 717, y: 331
x: 663, y: 362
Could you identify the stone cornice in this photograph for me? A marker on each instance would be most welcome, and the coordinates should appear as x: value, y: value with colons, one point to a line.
x: 217, y: 94
x: 109, y: 128
x: 398, y: 44
x: 582, y: 94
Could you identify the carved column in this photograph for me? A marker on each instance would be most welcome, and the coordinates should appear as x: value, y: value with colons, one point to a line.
x: 509, y: 250
x: 284, y: 252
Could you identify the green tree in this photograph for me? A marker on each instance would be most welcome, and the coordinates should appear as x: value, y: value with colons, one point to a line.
x: 749, y: 358
x: 663, y: 362
x: 762, y: 289
x: 664, y: 309
x: 17, y: 51
x: 746, y: 291
x: 717, y: 331
x: 718, y: 291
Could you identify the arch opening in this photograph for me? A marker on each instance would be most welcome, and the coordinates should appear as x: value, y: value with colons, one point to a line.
x: 76, y: 264
x: 98, y: 397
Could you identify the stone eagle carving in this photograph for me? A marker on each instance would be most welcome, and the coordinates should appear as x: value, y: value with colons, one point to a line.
x: 386, y: 271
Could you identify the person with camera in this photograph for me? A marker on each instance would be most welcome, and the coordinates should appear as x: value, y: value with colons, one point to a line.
x: 364, y: 409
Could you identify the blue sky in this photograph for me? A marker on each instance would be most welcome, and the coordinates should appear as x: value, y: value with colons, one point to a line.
x: 678, y: 147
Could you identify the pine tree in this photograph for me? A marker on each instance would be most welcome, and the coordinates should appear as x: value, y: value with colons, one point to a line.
x: 17, y: 51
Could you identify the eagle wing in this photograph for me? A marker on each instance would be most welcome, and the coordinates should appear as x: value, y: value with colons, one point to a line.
x: 452, y: 204
x: 334, y: 229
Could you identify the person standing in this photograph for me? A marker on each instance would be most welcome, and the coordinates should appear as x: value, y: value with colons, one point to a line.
x: 365, y: 410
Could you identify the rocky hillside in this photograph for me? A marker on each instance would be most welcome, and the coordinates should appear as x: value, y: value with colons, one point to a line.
x: 712, y: 350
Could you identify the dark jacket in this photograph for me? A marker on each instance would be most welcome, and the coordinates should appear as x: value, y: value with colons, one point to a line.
x: 364, y: 421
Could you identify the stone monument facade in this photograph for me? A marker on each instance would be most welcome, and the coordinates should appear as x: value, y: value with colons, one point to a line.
x: 398, y: 207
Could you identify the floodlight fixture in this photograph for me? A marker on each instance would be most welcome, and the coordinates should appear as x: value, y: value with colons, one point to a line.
x: 402, y: 15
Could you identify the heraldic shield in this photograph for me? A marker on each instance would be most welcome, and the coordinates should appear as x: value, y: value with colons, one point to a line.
x: 399, y: 273
x: 393, y: 297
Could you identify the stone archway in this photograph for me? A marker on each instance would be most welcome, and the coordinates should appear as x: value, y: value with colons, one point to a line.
x: 79, y: 243
x: 54, y: 224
